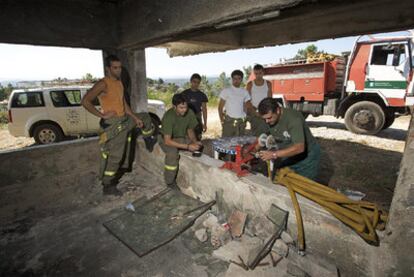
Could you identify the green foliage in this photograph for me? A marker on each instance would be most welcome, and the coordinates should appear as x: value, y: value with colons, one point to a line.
x: 302, y: 54
x: 88, y: 77
x: 222, y: 82
x: 3, y: 118
x: 164, y: 96
x: 5, y: 92
x: 247, y: 71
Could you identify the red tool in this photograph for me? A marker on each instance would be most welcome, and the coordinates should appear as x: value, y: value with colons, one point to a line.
x: 243, y: 156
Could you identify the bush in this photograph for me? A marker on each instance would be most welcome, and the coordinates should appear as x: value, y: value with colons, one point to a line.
x: 4, y: 119
x: 166, y: 97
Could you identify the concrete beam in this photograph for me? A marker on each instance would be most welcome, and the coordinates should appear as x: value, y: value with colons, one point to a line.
x: 74, y: 23
x: 319, y: 20
x: 151, y: 22
x: 331, y: 19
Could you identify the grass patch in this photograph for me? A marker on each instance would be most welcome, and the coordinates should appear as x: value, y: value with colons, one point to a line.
x: 4, y: 119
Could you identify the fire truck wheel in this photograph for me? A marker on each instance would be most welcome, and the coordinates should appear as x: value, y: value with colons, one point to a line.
x: 365, y: 117
x: 389, y: 119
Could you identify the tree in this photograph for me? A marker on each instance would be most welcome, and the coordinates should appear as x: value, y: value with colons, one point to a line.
x: 303, y: 54
x: 222, y: 82
x: 150, y: 82
x: 247, y: 71
x: 88, y: 77
x: 160, y: 81
x: 5, y: 91
x: 206, y: 86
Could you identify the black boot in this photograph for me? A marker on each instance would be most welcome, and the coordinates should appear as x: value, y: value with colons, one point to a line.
x: 111, y: 189
x: 173, y: 186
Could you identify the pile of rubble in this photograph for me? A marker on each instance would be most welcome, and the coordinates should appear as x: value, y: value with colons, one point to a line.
x: 254, y: 247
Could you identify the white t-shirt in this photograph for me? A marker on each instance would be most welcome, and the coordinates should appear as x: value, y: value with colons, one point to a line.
x: 235, y: 99
x: 259, y: 93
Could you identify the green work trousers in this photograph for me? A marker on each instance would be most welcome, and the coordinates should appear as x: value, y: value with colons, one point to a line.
x: 233, y: 127
x: 117, y: 140
x: 307, y: 167
x: 198, y: 130
x: 171, y: 159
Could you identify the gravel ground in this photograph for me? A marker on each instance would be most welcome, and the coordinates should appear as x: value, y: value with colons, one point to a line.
x: 8, y: 142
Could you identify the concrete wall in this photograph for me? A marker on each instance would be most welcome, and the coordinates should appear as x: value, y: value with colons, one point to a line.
x: 65, y: 158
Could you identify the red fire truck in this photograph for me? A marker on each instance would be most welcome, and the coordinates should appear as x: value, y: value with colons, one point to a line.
x: 367, y: 87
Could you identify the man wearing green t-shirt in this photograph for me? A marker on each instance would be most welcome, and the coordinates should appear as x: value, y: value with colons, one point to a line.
x: 298, y: 149
x: 177, y: 131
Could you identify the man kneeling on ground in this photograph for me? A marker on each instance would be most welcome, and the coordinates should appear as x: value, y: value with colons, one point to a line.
x: 177, y: 131
x: 298, y: 149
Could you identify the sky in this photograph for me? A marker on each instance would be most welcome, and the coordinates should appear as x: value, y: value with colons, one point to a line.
x: 27, y: 62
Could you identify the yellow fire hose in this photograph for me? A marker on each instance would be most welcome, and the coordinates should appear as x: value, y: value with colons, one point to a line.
x: 362, y: 216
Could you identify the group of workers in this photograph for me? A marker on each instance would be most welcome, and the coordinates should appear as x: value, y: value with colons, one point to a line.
x: 183, y: 124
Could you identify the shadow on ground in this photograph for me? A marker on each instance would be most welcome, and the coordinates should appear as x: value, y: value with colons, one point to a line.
x: 390, y: 133
x: 359, y: 167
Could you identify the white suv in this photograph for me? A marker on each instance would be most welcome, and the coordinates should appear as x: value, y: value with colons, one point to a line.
x: 50, y: 114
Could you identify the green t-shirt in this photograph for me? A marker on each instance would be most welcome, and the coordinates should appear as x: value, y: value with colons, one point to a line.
x: 175, y: 125
x: 291, y: 129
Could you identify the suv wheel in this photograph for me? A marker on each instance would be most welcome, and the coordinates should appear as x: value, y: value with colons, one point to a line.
x: 47, y: 133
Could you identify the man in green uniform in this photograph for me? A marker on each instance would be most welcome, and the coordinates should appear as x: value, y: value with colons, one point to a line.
x: 298, y: 149
x: 177, y: 131
x: 118, y: 124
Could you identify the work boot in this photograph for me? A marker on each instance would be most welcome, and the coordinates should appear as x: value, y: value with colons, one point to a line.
x: 123, y: 170
x: 173, y: 186
x: 111, y: 190
x: 150, y: 142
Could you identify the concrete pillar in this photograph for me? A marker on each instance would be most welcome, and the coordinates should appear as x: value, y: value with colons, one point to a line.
x: 134, y: 76
x: 138, y: 74
x: 395, y: 256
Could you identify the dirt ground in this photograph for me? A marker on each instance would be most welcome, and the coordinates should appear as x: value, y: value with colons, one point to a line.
x: 349, y: 161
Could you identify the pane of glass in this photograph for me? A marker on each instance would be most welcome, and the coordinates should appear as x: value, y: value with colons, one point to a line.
x: 382, y: 55
x: 390, y: 58
x: 28, y: 99
x: 74, y: 97
x: 402, y: 58
x: 59, y: 99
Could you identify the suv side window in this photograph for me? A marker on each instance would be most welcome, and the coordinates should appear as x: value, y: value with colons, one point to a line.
x: 28, y: 99
x: 66, y: 98
x: 391, y: 54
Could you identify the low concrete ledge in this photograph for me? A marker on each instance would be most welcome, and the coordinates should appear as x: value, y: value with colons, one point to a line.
x: 325, y: 235
x: 69, y: 157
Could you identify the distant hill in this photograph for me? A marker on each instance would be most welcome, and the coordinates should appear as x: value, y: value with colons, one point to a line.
x: 19, y: 83
x: 181, y: 81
